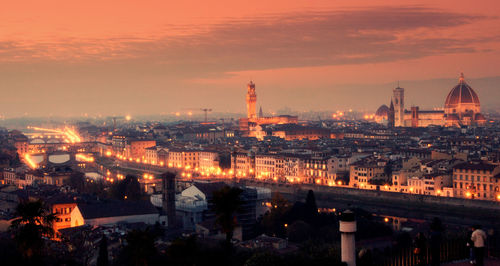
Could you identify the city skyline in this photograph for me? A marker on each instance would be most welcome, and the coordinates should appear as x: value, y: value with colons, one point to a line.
x: 305, y: 132
x: 158, y: 58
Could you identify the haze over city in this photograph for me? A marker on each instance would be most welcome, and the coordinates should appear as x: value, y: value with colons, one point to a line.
x: 61, y: 58
x: 250, y: 133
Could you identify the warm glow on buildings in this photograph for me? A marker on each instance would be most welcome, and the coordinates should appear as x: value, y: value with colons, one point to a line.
x: 84, y: 157
x: 30, y: 162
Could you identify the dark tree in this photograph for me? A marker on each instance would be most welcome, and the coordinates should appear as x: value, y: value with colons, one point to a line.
x: 77, y: 181
x: 102, y: 258
x: 299, y: 231
x: 95, y: 187
x: 311, y: 209
x: 264, y: 259
x: 140, y: 249
x: 181, y: 251
x: 127, y: 189
x: 273, y: 222
x: 33, y: 223
x: 226, y: 202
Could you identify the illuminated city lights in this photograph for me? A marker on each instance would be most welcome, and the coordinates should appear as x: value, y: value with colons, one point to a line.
x: 84, y: 157
x: 30, y: 162
x: 71, y: 136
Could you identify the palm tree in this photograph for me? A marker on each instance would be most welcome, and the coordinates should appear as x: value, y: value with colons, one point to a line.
x: 33, y: 223
x: 226, y: 202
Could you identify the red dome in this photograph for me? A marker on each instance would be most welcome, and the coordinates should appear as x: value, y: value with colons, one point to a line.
x: 462, y: 96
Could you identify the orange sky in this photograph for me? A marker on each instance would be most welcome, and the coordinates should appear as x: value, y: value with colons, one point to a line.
x: 151, y: 57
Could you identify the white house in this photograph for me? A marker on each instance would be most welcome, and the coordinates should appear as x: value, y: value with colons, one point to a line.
x: 109, y: 213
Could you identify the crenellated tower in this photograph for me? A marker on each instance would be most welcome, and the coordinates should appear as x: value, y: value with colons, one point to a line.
x: 251, y: 101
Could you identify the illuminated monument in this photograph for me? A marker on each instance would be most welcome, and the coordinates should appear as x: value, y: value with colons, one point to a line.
x: 251, y: 126
x: 461, y: 108
x: 251, y: 100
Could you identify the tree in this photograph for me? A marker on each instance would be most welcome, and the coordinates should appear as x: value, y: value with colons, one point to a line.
x: 102, y: 258
x: 129, y: 188
x: 264, y: 259
x: 140, y: 249
x: 33, y: 223
x: 311, y: 209
x: 77, y: 181
x: 226, y: 202
x: 299, y: 231
x: 273, y: 221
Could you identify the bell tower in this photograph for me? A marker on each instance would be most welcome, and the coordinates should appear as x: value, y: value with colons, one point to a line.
x: 398, y: 99
x: 251, y: 101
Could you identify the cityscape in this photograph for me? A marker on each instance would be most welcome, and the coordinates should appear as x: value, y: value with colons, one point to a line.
x: 210, y: 140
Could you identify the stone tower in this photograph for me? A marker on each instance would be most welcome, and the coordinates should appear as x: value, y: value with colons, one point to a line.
x: 399, y: 106
x: 251, y: 101
x: 168, y: 180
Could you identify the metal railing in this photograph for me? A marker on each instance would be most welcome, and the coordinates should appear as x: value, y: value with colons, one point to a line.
x: 450, y: 250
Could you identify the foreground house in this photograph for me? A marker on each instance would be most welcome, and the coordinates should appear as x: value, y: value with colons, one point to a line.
x: 111, y: 213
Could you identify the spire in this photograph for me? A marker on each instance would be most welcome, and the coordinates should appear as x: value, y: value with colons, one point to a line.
x: 462, y: 79
x: 251, y: 84
x: 261, y: 114
x: 398, y: 87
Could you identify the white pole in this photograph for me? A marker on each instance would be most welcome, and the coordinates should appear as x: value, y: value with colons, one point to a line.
x: 347, y: 240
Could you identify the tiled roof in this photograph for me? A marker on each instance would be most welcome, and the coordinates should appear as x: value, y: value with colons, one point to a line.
x: 116, y: 208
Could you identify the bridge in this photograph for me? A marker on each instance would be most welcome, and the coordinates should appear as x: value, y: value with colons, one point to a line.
x: 36, y: 160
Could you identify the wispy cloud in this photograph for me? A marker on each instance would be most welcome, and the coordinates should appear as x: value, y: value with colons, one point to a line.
x: 274, y: 41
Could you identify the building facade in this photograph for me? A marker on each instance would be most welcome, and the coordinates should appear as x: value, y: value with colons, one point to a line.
x: 476, y: 181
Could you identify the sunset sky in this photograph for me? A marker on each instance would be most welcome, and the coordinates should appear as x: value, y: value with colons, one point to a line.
x: 157, y: 57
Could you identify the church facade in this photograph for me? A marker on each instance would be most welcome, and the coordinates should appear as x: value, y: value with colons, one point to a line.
x: 461, y: 108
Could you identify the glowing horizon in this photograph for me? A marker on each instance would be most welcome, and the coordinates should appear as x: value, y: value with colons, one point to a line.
x: 153, y: 57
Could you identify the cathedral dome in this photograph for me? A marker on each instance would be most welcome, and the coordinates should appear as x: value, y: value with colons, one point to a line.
x: 462, y: 99
x: 382, y: 111
x: 382, y: 114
